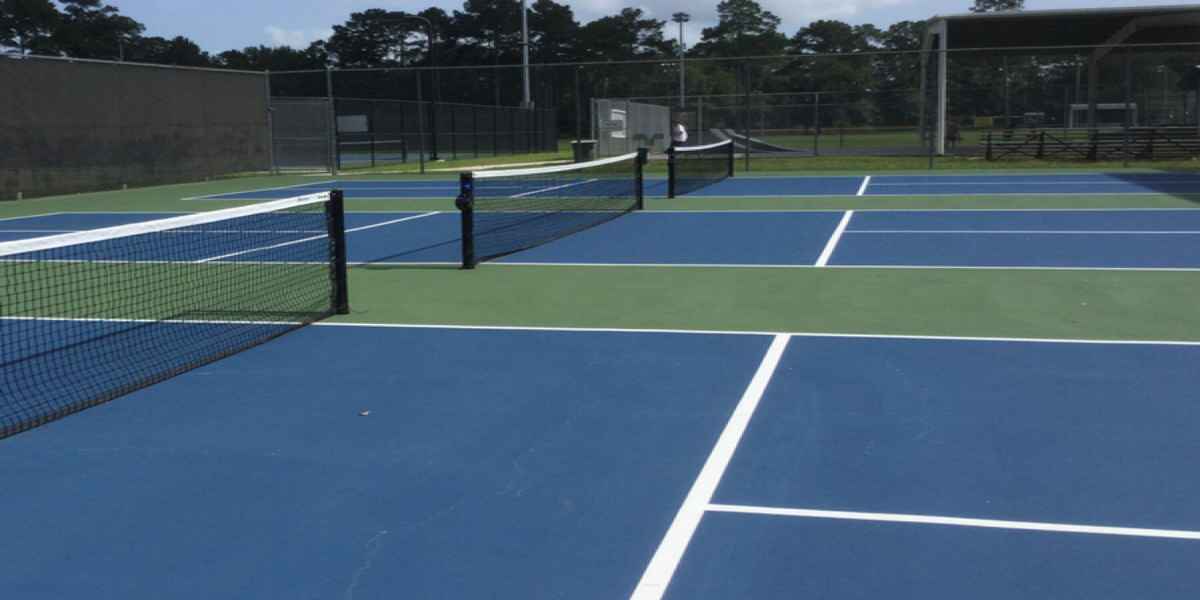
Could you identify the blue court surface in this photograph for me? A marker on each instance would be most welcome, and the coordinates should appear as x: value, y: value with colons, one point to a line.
x: 1097, y: 239
x: 372, y: 462
x: 748, y: 185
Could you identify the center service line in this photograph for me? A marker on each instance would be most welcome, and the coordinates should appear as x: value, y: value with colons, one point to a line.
x: 670, y: 551
x: 831, y: 245
x: 862, y: 189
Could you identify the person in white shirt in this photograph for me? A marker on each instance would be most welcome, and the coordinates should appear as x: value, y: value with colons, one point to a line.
x: 679, y: 134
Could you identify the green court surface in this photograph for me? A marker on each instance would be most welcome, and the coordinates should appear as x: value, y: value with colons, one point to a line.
x: 1029, y: 303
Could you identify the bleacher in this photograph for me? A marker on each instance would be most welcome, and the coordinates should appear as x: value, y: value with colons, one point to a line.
x: 1135, y: 143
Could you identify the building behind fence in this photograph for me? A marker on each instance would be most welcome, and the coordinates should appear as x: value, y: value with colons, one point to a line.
x: 76, y: 126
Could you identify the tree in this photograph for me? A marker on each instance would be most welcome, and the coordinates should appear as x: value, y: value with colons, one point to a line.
x: 842, y: 73
x: 28, y: 24
x: 997, y: 5
x: 904, y: 35
x: 491, y: 27
x: 625, y: 36
x: 282, y: 58
x: 629, y: 35
x: 553, y: 32
x: 835, y: 37
x: 376, y: 38
x: 176, y: 51
x: 743, y: 28
x: 91, y: 29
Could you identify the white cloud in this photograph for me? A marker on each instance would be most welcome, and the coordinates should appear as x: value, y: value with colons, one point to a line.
x: 296, y: 38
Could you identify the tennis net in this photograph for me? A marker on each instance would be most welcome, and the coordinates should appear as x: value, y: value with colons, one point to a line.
x: 512, y: 210
x: 88, y: 316
x: 690, y: 168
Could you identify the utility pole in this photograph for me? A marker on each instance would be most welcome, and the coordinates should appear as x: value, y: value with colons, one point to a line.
x: 681, y: 18
x: 526, y: 102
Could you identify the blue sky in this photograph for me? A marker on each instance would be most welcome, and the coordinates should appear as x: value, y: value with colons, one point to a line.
x: 223, y: 24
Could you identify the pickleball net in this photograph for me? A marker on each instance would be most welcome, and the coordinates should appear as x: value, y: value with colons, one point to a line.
x: 690, y: 168
x: 508, y: 211
x: 89, y: 316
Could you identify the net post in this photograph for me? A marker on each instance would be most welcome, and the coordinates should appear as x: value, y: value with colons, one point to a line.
x: 335, y: 211
x: 643, y: 156
x: 466, y: 204
x: 731, y: 159
x: 671, y: 171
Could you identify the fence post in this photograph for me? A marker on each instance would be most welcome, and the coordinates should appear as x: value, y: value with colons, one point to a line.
x: 746, y: 113
x: 578, y: 107
x: 453, y: 131
x: 420, y: 124
x: 271, y: 164
x: 332, y: 131
x: 1041, y: 151
x: 988, y: 152
x: 475, y: 130
x: 816, y: 123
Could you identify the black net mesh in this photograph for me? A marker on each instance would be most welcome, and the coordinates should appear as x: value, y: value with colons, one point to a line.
x: 87, y: 317
x: 509, y: 211
x: 691, y: 168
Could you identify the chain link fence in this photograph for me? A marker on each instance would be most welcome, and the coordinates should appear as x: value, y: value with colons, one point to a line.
x: 83, y: 125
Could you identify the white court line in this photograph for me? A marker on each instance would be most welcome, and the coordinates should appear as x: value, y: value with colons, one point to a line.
x: 831, y: 245
x: 557, y: 187
x: 270, y: 189
x: 38, y: 230
x: 862, y: 189
x: 785, y: 266
x: 261, y: 248
x: 670, y: 551
x: 31, y: 216
x: 809, y: 334
x: 1030, y: 231
x: 627, y: 330
x: 450, y: 187
x: 174, y: 231
x: 802, y: 196
x: 874, y: 209
x: 1179, y: 534
x: 393, y: 221
x: 1019, y: 268
x: 315, y: 237
x: 1026, y: 181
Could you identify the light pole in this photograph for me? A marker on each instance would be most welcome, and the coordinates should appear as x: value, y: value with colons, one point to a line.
x: 681, y: 18
x: 397, y: 17
x: 526, y: 102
